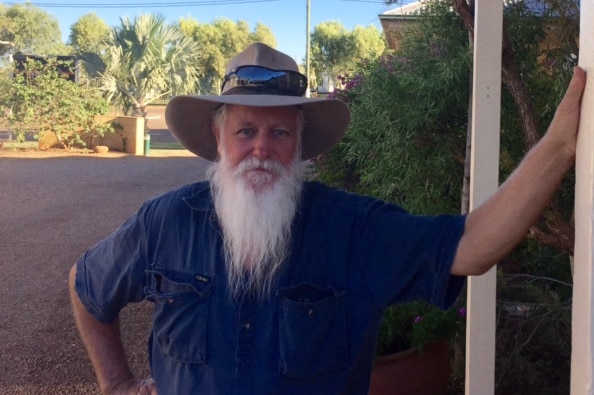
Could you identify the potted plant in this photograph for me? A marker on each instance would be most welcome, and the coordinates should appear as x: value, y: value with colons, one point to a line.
x: 413, y: 349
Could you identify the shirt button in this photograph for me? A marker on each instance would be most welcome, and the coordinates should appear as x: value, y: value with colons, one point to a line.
x: 310, y: 312
x: 247, y: 326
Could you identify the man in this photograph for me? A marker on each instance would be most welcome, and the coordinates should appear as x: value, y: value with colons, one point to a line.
x: 265, y: 283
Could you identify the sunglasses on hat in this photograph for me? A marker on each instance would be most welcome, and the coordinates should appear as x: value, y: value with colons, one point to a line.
x: 258, y: 79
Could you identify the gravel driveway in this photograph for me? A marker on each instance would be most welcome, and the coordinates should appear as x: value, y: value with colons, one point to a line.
x: 53, y: 206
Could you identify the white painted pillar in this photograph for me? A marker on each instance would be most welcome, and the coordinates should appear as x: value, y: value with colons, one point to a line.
x: 582, y: 370
x: 484, y: 181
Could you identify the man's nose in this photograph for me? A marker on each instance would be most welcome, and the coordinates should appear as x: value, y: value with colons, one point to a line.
x: 262, y: 146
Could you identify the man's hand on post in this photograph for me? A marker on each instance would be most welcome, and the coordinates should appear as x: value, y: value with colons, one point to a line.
x: 564, y: 127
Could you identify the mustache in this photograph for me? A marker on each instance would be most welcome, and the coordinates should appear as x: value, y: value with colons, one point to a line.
x: 252, y: 163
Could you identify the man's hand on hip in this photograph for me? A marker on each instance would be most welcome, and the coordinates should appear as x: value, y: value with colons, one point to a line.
x: 135, y: 387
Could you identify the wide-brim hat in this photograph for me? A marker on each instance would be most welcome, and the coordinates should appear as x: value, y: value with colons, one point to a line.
x: 189, y: 118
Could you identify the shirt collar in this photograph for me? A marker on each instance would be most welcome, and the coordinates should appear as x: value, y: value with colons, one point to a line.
x: 202, y: 199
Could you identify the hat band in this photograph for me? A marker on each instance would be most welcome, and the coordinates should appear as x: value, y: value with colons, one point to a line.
x: 255, y: 90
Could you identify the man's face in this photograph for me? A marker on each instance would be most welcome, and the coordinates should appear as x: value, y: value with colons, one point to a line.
x: 256, y: 187
x: 265, y: 133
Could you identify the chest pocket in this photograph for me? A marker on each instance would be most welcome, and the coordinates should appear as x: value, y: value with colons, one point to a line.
x: 313, y: 332
x: 181, y: 313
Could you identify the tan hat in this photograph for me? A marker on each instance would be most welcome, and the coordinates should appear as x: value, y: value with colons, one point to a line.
x: 260, y: 76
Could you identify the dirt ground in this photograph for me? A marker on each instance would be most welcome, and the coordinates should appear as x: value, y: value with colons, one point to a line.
x: 53, y: 206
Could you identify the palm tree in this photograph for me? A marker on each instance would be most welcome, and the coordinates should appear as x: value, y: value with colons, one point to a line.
x: 145, y: 60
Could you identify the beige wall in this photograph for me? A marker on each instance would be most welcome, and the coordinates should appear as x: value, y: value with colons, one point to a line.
x: 132, y: 132
x: 395, y: 29
x: 156, y: 113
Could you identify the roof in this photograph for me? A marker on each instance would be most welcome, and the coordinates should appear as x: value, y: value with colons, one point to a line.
x: 413, y: 8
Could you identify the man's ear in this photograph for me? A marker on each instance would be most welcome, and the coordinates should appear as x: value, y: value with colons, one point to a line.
x: 215, y: 132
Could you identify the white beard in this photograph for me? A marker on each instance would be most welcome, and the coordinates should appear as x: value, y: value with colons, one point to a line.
x: 255, y: 210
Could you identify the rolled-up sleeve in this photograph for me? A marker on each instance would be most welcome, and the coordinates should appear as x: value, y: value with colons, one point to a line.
x: 409, y: 257
x: 111, y: 274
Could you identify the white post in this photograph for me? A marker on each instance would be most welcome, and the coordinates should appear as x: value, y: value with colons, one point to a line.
x: 484, y: 181
x: 583, y: 296
x: 308, y: 49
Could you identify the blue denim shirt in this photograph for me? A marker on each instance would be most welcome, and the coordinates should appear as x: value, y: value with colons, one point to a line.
x: 351, y: 257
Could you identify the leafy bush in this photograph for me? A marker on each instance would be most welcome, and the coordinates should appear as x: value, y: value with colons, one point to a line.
x: 416, y: 324
x: 409, y: 114
x: 40, y: 100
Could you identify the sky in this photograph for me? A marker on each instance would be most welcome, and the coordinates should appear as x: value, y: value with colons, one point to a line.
x: 286, y: 18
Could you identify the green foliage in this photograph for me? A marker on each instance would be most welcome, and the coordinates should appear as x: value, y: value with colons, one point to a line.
x: 89, y: 34
x: 262, y: 33
x: 330, y: 48
x: 409, y: 115
x: 336, y: 51
x: 32, y: 30
x: 5, y: 80
x: 416, y: 324
x: 143, y: 61
x: 220, y: 41
x: 41, y: 100
x: 368, y: 43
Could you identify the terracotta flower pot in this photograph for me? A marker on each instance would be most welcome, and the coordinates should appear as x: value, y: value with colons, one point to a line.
x: 410, y: 372
x: 101, y: 149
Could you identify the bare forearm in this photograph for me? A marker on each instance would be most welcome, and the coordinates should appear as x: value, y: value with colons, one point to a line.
x: 496, y: 227
x: 493, y: 229
x: 103, y: 343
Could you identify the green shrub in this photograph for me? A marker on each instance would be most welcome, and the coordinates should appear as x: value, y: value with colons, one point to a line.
x: 40, y: 100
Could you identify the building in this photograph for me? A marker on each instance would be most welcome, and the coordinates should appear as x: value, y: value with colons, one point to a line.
x: 67, y: 65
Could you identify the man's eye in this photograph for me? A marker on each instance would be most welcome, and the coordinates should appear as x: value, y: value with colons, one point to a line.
x: 245, y: 133
x: 281, y: 133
